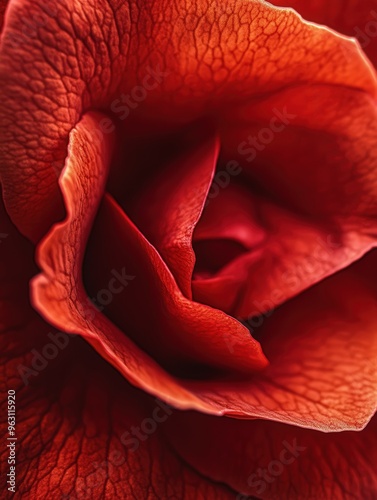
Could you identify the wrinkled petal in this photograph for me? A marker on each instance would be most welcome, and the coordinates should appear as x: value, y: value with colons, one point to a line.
x: 76, y: 418
x: 273, y: 461
x: 205, y: 61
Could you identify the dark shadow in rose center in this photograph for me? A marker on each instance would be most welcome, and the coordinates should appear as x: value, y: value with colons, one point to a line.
x: 213, y: 255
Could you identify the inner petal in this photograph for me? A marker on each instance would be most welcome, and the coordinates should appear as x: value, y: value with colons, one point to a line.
x: 228, y: 228
x: 213, y: 255
x: 168, y: 204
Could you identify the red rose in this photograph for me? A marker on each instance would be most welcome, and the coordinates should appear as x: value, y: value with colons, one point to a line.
x: 189, y: 195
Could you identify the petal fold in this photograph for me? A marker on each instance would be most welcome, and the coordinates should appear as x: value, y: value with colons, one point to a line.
x: 169, y: 208
x: 181, y: 328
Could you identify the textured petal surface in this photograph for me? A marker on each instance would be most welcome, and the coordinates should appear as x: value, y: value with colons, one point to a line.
x: 175, y: 331
x: 290, y: 253
x: 236, y: 65
x: 74, y: 413
x: 272, y: 461
x: 356, y: 18
x: 322, y: 352
x: 59, y: 293
x: 74, y: 423
x: 205, y: 60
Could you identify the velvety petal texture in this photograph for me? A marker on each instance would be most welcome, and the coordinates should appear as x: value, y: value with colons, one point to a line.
x: 317, y: 180
x: 203, y: 60
x: 60, y: 296
x: 321, y: 347
x: 217, y: 338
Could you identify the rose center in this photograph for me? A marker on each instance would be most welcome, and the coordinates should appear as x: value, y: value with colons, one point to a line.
x: 213, y: 255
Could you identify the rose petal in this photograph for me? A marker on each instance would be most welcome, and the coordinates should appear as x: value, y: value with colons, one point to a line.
x: 293, y: 253
x: 231, y: 216
x: 58, y: 293
x: 75, y: 415
x: 322, y: 350
x: 311, y: 342
x: 168, y: 209
x: 76, y: 419
x: 185, y: 334
x: 74, y: 424
x: 3, y: 6
x: 314, y: 184
x: 357, y: 18
x: 274, y: 461
x: 207, y: 59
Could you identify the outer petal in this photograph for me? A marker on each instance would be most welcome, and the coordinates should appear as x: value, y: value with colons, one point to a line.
x: 272, y: 461
x: 321, y: 347
x: 206, y: 60
x: 74, y: 413
x: 357, y: 18
x: 75, y: 420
